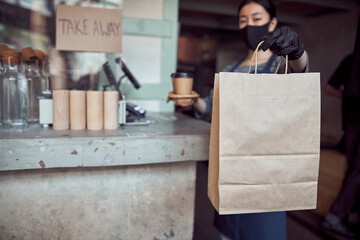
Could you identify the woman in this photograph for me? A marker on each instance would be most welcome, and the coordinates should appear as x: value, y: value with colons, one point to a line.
x: 257, y: 21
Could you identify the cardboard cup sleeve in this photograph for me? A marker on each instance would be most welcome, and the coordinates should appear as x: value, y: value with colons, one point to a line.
x: 61, y: 112
x: 111, y: 106
x: 77, y: 110
x: 94, y: 110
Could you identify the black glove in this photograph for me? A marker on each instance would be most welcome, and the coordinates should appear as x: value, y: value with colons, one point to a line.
x: 284, y: 41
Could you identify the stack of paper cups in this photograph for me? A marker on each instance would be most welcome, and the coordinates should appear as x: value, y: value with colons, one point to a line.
x: 95, y: 113
x: 61, y: 119
x: 77, y: 110
x: 111, y: 105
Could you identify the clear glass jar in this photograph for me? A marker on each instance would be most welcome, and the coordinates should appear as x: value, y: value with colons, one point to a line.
x: 34, y: 89
x: 13, y: 96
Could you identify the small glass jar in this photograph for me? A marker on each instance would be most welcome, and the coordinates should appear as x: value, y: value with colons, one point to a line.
x: 13, y: 92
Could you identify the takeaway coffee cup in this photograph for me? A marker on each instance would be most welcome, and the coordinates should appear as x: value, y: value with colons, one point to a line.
x: 182, y: 83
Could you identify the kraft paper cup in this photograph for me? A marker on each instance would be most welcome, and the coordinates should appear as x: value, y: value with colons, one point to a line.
x: 61, y: 110
x: 77, y: 110
x: 95, y: 110
x: 111, y: 108
x: 182, y: 83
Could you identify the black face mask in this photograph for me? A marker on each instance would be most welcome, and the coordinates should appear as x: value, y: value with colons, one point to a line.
x: 254, y: 34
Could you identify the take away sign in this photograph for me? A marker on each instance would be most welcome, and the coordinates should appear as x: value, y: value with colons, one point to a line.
x: 88, y: 29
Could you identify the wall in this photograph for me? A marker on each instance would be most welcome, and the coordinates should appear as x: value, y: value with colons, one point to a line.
x: 149, y: 47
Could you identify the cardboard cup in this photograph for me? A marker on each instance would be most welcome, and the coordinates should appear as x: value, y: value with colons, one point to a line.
x: 95, y: 110
x: 77, y: 110
x: 61, y: 112
x: 111, y: 108
x: 182, y: 86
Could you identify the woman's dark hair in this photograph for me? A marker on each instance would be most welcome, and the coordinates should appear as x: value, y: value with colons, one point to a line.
x: 267, y: 4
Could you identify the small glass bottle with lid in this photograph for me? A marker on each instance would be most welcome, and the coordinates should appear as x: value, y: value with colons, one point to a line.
x: 13, y: 92
x: 3, y: 48
x: 45, y: 82
x: 31, y: 70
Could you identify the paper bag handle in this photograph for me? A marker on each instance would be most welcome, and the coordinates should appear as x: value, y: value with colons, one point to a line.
x: 256, y: 62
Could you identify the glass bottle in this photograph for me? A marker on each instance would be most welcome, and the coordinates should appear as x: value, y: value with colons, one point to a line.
x: 3, y: 48
x: 2, y: 66
x: 13, y: 92
x: 2, y: 69
x: 45, y: 81
x: 34, y: 88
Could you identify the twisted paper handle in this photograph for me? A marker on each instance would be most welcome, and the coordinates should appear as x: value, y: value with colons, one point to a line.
x: 255, y: 55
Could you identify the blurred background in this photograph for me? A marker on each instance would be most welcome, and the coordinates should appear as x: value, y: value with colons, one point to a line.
x: 199, y: 36
x: 202, y: 37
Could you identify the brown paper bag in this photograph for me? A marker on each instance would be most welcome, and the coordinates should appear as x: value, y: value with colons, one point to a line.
x: 265, y: 142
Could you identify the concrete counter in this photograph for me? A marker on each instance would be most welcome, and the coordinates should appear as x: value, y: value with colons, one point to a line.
x: 168, y: 139
x: 133, y: 183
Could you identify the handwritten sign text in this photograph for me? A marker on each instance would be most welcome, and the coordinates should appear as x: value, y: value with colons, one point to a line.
x: 88, y: 29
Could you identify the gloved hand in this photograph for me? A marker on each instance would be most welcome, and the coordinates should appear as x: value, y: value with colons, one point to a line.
x: 284, y: 41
